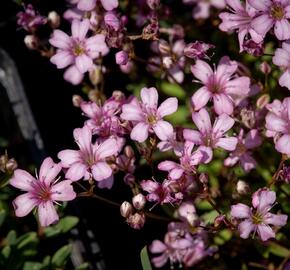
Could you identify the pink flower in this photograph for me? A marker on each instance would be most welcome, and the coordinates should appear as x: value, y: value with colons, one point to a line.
x: 147, y: 117
x: 241, y: 153
x: 41, y: 192
x: 197, y: 50
x: 90, y: 160
x: 77, y: 51
x: 219, y: 85
x: 258, y: 218
x: 239, y: 18
x: 171, y: 142
x: 209, y: 137
x: 278, y: 124
x: 187, y: 163
x: 88, y: 5
x: 272, y: 13
x: 282, y: 59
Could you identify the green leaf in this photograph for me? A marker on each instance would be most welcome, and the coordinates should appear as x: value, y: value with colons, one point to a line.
x: 60, y: 257
x: 32, y: 266
x: 172, y: 90
x: 67, y: 223
x: 52, y: 231
x: 26, y: 239
x: 179, y: 117
x: 279, y: 250
x: 2, y: 216
x: 209, y: 217
x: 6, y: 251
x: 146, y: 265
x: 11, y: 238
x: 83, y: 266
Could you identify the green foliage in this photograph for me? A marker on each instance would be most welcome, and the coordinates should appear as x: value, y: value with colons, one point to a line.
x: 146, y: 265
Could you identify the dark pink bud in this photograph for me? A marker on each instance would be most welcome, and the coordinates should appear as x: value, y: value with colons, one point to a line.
x: 197, y: 50
x: 253, y: 48
x: 265, y: 67
x: 129, y: 152
x: 136, y: 221
x: 112, y: 21
x: 122, y: 58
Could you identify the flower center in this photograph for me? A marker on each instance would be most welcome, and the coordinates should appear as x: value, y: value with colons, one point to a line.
x: 257, y: 218
x: 42, y: 191
x: 277, y: 11
x: 78, y: 50
x: 151, y: 119
x: 241, y: 148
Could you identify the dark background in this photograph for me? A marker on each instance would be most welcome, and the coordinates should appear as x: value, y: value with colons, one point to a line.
x: 50, y: 100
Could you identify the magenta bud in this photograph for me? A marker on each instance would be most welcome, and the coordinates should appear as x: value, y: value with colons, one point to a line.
x: 111, y: 20
x: 139, y: 201
x: 53, y: 19
x: 153, y: 4
x: 136, y: 221
x: 126, y: 209
x: 31, y: 42
x: 122, y: 58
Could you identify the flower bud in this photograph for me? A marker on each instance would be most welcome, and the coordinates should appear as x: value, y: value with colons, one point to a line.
x: 139, y: 201
x: 118, y: 95
x: 263, y: 101
x: 121, y: 58
x: 153, y: 4
x: 265, y: 67
x: 53, y: 19
x: 77, y: 100
x: 203, y: 178
x: 164, y: 47
x: 187, y: 212
x: 95, y: 75
x: 129, y: 179
x: 136, y: 221
x: 219, y: 220
x: 167, y: 62
x: 11, y: 165
x: 111, y: 20
x: 126, y: 209
x: 129, y: 152
x: 31, y: 42
x: 242, y: 187
x: 253, y: 48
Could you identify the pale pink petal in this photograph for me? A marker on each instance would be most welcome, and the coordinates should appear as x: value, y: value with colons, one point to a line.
x: 228, y: 143
x: 76, y: 171
x: 282, y: 29
x: 223, y: 104
x: 22, y: 180
x: 245, y: 228
x: 192, y: 136
x: 106, y: 183
x: 168, y: 107
x: 202, y: 120
x: 80, y: 29
x: 162, y: 129
x: 91, y: 109
x: 24, y: 204
x: 101, y: 171
x: 62, y: 59
x: 262, y: 24
x: 140, y: 132
x: 47, y: 214
x: 265, y: 232
x: 253, y: 139
x: 222, y: 124
x: 49, y: 171
x: 202, y: 71
x: 240, y: 210
x: 231, y: 160
x: 73, y: 75
x: 176, y: 173
x: 285, y: 79
x: 69, y: 157
x: 263, y: 199
x: 157, y: 247
x: 276, y: 123
x: 200, y: 98
x: 167, y: 165
x: 83, y: 63
x: 161, y: 260
x: 239, y: 87
x: 149, y: 97
x: 86, y: 5
x: 281, y: 58
x: 63, y: 191
x: 206, y: 153
x: 83, y: 137
x: 276, y: 220
x: 110, y: 4
x: 108, y: 148
x: 260, y: 5
x: 60, y: 40
x: 96, y: 46
x: 132, y: 112
x: 149, y: 185
x: 283, y: 144
x: 247, y: 162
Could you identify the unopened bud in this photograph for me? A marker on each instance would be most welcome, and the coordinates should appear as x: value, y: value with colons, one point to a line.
x: 122, y: 58
x: 95, y: 75
x: 203, y: 178
x: 118, y: 95
x: 242, y: 187
x: 129, y: 152
x: 167, y: 62
x: 11, y: 165
x: 77, y: 100
x: 112, y: 21
x: 265, y: 67
x: 53, y: 19
x: 219, y: 220
x: 139, y: 201
x: 126, y: 209
x: 129, y: 179
x: 187, y: 212
x: 153, y: 4
x: 136, y: 221
x: 263, y: 101
x: 164, y: 47
x: 31, y: 42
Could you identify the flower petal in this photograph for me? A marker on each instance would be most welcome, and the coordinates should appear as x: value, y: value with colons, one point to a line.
x: 162, y: 129
x: 22, y: 179
x: 168, y: 107
x: 49, y: 171
x: 24, y: 204
x: 76, y: 171
x: 245, y: 228
x: 63, y: 191
x: 47, y: 214
x: 240, y: 210
x: 69, y: 157
x: 149, y: 97
x: 107, y: 148
x: 140, y: 132
x: 202, y: 120
x: 200, y: 98
x: 265, y: 232
x: 101, y: 171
